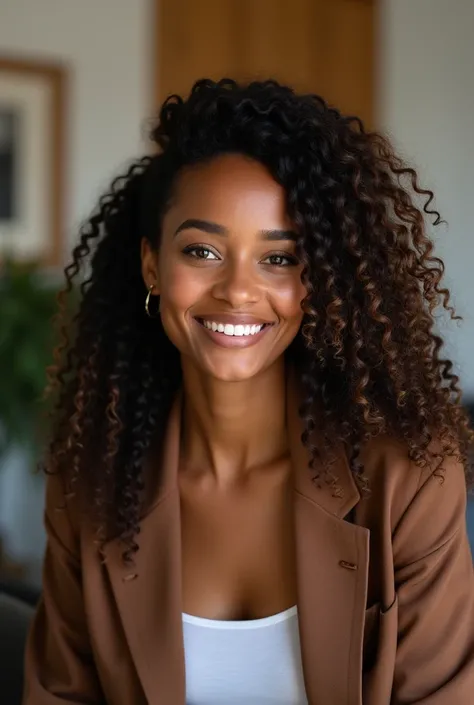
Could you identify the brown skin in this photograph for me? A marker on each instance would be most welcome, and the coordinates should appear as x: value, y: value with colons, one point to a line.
x: 235, y: 476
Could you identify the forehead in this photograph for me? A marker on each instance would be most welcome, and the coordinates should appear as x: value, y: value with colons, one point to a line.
x: 230, y: 189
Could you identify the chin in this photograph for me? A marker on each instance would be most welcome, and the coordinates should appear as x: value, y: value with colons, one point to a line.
x: 234, y: 370
x: 231, y: 374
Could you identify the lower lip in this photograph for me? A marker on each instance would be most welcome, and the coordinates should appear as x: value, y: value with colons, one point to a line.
x: 234, y: 341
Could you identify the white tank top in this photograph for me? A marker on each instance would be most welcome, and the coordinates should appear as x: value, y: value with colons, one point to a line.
x: 254, y: 662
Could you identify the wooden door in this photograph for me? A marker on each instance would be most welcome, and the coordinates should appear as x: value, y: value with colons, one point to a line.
x: 321, y: 46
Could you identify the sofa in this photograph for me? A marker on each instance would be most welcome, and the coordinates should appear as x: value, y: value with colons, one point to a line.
x: 15, y: 618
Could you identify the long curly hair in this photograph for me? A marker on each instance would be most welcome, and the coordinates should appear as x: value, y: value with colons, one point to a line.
x: 368, y: 349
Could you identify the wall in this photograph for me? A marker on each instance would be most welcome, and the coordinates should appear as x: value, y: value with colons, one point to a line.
x: 426, y: 102
x: 107, y: 45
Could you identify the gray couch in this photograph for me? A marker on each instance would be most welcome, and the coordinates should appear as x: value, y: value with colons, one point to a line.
x: 15, y: 617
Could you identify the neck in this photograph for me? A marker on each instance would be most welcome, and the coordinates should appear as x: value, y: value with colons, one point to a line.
x: 231, y: 428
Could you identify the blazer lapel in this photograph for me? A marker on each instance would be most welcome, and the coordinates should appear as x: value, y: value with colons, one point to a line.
x: 148, y: 594
x: 332, y: 569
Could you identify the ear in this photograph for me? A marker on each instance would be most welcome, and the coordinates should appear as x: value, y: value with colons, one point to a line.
x: 150, y: 272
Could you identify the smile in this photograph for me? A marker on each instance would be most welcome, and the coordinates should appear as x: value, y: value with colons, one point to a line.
x: 231, y: 330
x: 233, y: 335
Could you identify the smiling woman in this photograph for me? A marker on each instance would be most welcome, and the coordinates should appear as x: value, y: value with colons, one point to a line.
x: 255, y: 428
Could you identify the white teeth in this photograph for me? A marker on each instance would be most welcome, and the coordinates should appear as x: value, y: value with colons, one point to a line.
x: 229, y: 329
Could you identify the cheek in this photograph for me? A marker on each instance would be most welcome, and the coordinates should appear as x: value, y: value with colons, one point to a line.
x: 181, y: 287
x: 178, y: 292
x: 288, y: 297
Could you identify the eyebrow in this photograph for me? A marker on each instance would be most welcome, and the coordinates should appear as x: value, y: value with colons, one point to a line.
x: 208, y: 226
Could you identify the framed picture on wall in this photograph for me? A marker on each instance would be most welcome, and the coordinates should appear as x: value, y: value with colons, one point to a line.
x: 32, y: 160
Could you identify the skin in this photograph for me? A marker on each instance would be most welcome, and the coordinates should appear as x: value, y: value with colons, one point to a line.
x: 235, y: 474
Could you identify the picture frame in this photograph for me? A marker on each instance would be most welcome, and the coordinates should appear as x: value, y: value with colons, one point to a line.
x: 32, y: 160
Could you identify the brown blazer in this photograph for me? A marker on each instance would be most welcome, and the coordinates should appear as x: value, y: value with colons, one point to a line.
x: 385, y: 592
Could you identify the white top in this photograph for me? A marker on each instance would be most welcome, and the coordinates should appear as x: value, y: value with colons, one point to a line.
x: 253, y: 662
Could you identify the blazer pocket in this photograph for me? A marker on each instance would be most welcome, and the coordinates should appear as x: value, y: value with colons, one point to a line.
x: 380, y: 633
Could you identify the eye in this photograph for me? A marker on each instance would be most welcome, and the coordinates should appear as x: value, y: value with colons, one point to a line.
x: 200, y: 252
x: 281, y: 260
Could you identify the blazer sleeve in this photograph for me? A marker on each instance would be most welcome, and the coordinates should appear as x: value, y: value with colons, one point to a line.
x: 59, y: 664
x: 435, y: 587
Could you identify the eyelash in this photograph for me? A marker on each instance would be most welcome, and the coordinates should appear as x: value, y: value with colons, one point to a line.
x: 192, y: 251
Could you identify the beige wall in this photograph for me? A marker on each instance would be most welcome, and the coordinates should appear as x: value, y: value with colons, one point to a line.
x: 426, y: 102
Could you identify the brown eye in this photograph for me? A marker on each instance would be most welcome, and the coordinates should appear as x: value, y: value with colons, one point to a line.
x: 281, y: 260
x: 199, y: 252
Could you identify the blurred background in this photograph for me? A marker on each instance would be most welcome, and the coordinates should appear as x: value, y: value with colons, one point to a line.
x: 78, y: 83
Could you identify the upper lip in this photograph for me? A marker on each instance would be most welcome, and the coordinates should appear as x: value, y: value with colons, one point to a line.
x: 233, y: 318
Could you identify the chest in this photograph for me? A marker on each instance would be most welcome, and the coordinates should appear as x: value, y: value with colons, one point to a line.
x: 178, y: 571
x: 237, y: 546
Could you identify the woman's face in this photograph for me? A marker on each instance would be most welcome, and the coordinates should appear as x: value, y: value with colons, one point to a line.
x: 226, y: 271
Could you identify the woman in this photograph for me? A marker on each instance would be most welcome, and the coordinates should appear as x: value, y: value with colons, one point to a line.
x: 256, y: 479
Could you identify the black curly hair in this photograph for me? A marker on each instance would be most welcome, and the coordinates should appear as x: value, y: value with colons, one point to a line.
x: 369, y: 351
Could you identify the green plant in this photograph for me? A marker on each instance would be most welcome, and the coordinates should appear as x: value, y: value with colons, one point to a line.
x: 27, y: 306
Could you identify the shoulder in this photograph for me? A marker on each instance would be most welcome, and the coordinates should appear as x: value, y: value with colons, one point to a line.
x: 401, y: 488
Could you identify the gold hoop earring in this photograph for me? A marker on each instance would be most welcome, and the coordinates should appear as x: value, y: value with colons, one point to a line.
x: 147, y: 303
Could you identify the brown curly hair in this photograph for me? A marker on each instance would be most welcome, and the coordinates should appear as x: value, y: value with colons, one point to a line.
x: 368, y: 354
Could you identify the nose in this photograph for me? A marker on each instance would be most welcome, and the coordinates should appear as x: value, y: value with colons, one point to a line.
x: 238, y: 285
